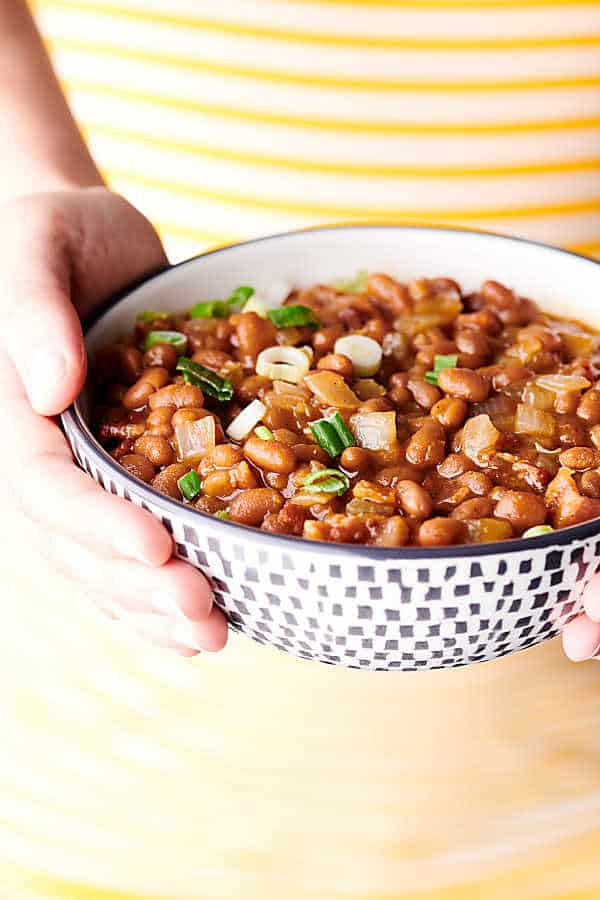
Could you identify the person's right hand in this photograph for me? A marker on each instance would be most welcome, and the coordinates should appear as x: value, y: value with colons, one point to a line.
x: 61, y: 255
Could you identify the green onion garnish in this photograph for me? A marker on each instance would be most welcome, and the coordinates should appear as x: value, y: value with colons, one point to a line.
x: 356, y: 285
x: 151, y: 315
x: 175, y: 338
x: 221, y: 309
x: 327, y: 481
x: 211, y: 383
x: 439, y: 363
x: 222, y: 514
x: 190, y: 485
x: 264, y: 433
x: 333, y: 435
x: 539, y: 529
x: 293, y: 316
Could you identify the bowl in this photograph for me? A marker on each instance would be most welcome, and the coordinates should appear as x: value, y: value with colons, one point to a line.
x: 387, y: 609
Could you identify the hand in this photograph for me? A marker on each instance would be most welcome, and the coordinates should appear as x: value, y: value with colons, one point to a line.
x: 63, y: 253
x: 581, y: 637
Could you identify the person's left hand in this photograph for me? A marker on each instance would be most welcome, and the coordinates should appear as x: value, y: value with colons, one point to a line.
x: 581, y: 637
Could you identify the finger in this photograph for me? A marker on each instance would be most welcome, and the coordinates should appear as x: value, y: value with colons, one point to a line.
x: 591, y: 600
x: 210, y: 635
x: 51, y: 491
x: 41, y: 330
x: 156, y: 630
x: 581, y: 639
x: 175, y: 590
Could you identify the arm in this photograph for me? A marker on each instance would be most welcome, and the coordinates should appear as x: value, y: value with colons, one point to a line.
x: 44, y: 149
x: 67, y: 243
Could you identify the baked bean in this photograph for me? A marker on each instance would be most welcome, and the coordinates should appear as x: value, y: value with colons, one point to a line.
x: 253, y: 387
x: 392, y: 295
x: 566, y: 404
x: 157, y: 376
x: 224, y: 456
x: 177, y: 395
x: 156, y: 449
x: 477, y: 482
x: 138, y: 395
x: 184, y: 416
x: 251, y: 507
x: 484, y: 320
x: 398, y: 389
x: 595, y: 436
x: 425, y: 394
x: 211, y: 358
x: 159, y: 421
x: 472, y: 341
x: 589, y: 407
x: 138, y: 466
x: 120, y: 363
x: 497, y: 293
x: 324, y: 339
x: 439, y: 532
x: 476, y: 508
x: 590, y: 484
x: 450, y: 412
x: 355, y: 459
x: 414, y: 499
x: 163, y: 355
x: 393, y: 532
x: 166, y: 480
x: 454, y: 465
x: 522, y: 509
x: 254, y: 334
x: 337, y: 362
x: 272, y: 456
x: 580, y: 458
x: 306, y: 452
x: 219, y: 483
x: 510, y: 375
x: 427, y: 446
x: 464, y: 383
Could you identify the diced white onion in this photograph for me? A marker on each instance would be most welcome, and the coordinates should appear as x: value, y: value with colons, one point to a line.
x: 479, y: 438
x: 283, y: 364
x: 195, y: 439
x: 529, y: 420
x: 364, y: 353
x: 563, y: 384
x: 245, y: 421
x: 257, y: 305
x: 375, y: 430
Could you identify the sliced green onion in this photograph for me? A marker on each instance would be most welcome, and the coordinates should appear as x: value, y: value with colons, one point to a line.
x: 440, y: 363
x: 327, y: 481
x: 212, y: 309
x: 211, y: 383
x: 539, y: 529
x: 293, y: 316
x: 264, y: 433
x: 333, y: 435
x: 356, y: 285
x: 222, y: 514
x: 190, y: 485
x: 327, y: 437
x: 344, y: 433
x: 175, y: 338
x: 151, y: 315
x: 221, y: 309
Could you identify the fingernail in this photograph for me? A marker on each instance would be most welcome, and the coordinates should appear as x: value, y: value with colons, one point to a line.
x: 46, y: 371
x: 182, y: 633
x: 131, y: 549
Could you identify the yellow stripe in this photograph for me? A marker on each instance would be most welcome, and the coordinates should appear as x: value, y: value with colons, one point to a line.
x: 358, y: 213
x: 589, y: 248
x: 330, y: 168
x: 343, y: 125
x: 380, y: 42
x: 196, y: 234
x: 320, y: 81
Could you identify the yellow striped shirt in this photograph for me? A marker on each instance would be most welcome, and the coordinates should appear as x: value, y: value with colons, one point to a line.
x: 264, y: 115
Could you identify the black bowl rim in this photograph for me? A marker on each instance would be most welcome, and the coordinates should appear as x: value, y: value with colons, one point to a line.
x: 72, y: 419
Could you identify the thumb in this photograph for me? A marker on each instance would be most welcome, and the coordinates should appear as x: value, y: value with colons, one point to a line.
x: 41, y: 331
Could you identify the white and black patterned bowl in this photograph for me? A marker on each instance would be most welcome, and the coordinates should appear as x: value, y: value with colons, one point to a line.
x: 366, y: 607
